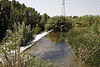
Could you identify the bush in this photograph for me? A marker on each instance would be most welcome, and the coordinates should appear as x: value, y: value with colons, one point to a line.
x: 17, y: 59
x: 10, y: 55
x: 19, y: 36
x: 86, y: 44
x: 59, y: 24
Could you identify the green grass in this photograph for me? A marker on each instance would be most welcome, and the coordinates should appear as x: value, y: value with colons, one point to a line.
x: 85, y: 42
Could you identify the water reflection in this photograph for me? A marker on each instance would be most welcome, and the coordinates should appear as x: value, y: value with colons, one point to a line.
x: 57, y: 36
x: 59, y: 51
x: 60, y: 48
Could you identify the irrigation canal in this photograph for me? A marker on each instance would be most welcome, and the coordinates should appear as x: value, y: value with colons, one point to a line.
x: 54, y: 48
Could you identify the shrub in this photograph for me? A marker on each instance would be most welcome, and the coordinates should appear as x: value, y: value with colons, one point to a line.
x: 86, y: 44
x: 15, y: 58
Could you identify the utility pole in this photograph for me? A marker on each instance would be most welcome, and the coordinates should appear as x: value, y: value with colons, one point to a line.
x: 63, y: 8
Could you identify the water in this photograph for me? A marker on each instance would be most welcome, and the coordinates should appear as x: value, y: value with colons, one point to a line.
x: 54, y: 48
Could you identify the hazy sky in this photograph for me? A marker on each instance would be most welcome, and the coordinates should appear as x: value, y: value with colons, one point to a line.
x: 73, y: 7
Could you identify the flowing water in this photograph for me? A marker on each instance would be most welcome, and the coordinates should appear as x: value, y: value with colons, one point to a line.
x: 54, y: 48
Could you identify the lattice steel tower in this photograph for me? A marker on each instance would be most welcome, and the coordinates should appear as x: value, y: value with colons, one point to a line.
x: 63, y: 8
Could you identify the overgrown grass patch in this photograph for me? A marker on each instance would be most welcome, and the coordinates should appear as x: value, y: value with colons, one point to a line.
x: 86, y: 44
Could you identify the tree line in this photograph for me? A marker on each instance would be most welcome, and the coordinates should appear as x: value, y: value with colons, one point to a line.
x: 12, y: 12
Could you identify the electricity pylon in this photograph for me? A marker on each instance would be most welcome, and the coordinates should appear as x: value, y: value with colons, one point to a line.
x: 63, y: 8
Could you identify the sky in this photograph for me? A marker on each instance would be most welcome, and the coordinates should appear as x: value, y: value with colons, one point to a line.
x: 73, y: 7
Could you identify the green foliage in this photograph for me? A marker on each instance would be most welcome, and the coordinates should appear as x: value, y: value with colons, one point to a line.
x: 25, y: 31
x: 20, y: 35
x: 37, y: 30
x: 86, y: 43
x: 12, y: 12
x: 4, y: 17
x: 87, y: 20
x: 59, y: 23
x: 43, y: 22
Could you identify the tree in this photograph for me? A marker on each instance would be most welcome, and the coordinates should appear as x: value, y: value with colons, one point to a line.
x: 59, y: 23
x: 12, y: 12
x: 43, y: 22
x: 4, y: 17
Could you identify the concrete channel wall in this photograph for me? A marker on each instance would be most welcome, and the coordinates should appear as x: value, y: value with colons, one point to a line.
x: 37, y: 38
